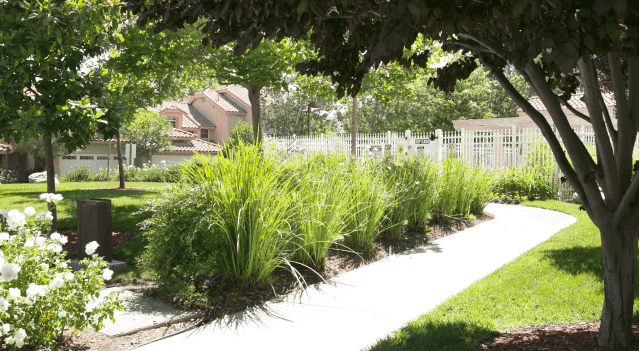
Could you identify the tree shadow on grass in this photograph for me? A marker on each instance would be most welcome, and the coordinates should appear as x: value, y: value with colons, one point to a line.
x: 578, y: 260
x: 458, y: 336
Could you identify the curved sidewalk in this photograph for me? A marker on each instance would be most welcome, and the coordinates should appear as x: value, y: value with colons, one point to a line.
x: 353, y: 310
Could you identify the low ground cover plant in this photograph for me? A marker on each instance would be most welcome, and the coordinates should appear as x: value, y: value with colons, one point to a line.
x: 39, y: 294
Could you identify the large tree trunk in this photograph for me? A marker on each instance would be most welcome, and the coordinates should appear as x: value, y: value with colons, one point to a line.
x: 51, y: 181
x: 120, y: 167
x: 254, y: 99
x: 620, y: 260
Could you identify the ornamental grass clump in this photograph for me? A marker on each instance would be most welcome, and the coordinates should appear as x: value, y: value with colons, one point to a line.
x: 320, y: 210
x: 367, y: 200
x: 250, y: 211
x: 461, y: 190
x: 39, y: 294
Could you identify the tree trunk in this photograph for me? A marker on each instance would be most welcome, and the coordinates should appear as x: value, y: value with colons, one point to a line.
x: 51, y: 181
x: 620, y: 261
x: 120, y: 167
x: 254, y: 99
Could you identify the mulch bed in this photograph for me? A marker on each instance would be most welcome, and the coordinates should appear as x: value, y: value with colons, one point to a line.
x: 117, y: 239
x: 568, y: 337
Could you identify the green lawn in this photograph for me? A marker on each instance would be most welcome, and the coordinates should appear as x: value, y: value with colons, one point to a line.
x: 559, y: 281
x: 123, y: 202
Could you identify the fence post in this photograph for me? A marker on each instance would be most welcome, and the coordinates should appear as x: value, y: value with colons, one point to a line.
x: 514, y: 146
x: 439, y: 142
x: 407, y: 138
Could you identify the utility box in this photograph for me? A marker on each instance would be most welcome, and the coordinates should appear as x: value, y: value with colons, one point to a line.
x: 94, y: 224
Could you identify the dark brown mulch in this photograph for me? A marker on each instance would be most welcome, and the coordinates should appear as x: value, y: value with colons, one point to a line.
x: 567, y: 337
x: 117, y: 239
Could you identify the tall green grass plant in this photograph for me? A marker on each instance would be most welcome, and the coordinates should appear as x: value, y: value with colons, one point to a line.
x: 250, y: 211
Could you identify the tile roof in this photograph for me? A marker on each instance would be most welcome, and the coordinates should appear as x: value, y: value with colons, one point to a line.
x: 222, y: 101
x: 179, y: 133
x: 226, y: 99
x: 191, y: 112
x: 241, y: 92
x: 195, y: 145
x: 575, y: 101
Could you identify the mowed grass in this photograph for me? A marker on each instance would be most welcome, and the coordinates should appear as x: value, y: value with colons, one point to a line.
x: 558, y: 282
x: 124, y: 203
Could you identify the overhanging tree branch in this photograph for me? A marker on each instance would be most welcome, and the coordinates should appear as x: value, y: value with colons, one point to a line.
x: 577, y: 113
x: 545, y: 128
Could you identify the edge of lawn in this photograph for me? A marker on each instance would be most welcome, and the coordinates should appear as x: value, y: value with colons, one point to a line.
x: 560, y: 281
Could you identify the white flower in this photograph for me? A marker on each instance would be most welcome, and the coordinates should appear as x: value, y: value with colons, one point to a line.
x: 63, y: 264
x: 107, y: 274
x: 68, y: 276
x: 19, y: 343
x: 4, y: 304
x: 29, y: 242
x: 91, y: 247
x: 4, y: 237
x: 55, y: 248
x: 6, y: 328
x: 20, y: 335
x: 27, y: 301
x: 51, y: 197
x: 9, y: 340
x: 417, y: 183
x: 4, y: 213
x: 48, y: 216
x: 44, y: 266
x: 91, y: 305
x: 62, y: 314
x: 57, y: 282
x: 14, y: 293
x: 29, y: 211
x: 63, y: 239
x: 36, y: 290
x: 40, y: 240
x: 55, y: 236
x: 15, y: 219
x: 9, y: 271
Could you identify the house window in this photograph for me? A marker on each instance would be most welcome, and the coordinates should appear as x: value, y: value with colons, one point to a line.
x: 204, y: 133
x: 172, y: 121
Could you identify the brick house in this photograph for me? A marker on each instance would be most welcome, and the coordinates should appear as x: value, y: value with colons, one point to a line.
x: 210, y: 114
x: 523, y: 120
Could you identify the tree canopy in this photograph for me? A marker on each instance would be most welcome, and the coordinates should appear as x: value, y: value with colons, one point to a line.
x: 551, y: 43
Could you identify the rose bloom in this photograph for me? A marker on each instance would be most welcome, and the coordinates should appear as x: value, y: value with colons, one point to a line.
x: 91, y: 247
x: 29, y: 211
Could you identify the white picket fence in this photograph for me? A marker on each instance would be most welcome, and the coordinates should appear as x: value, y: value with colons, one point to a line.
x: 510, y: 147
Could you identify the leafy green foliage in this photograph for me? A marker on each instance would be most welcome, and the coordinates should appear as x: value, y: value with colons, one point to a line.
x: 150, y: 132
x: 242, y: 133
x: 184, y: 243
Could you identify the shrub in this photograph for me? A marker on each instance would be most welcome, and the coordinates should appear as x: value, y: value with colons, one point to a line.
x: 183, y: 242
x: 532, y: 182
x: 7, y: 176
x: 39, y: 295
x: 78, y: 174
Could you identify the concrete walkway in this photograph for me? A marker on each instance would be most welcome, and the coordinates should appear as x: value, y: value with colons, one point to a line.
x: 353, y: 310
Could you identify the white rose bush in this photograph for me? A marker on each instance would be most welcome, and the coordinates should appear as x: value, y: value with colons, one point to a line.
x: 39, y: 294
